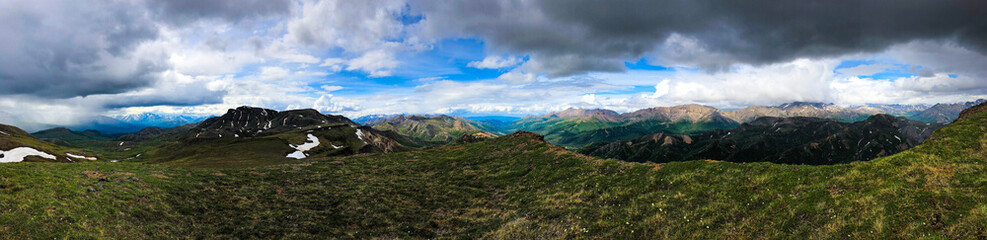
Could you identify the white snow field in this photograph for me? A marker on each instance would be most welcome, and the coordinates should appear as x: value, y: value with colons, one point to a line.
x: 359, y: 134
x: 300, y: 149
x: 81, y: 157
x: 18, y: 154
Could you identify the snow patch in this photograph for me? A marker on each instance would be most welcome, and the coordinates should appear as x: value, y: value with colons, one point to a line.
x: 359, y: 134
x: 18, y: 154
x: 121, y: 143
x: 81, y: 157
x: 297, y: 155
x: 896, y: 136
x: 4, y: 133
x: 236, y: 135
x: 300, y: 149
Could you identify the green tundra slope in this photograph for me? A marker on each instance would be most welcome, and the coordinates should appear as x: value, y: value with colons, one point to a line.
x: 12, y: 138
x: 514, y: 187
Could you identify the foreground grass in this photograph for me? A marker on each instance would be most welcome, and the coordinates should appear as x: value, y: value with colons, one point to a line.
x: 514, y: 187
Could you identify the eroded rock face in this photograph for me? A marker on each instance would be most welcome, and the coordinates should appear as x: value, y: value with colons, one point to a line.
x: 797, y: 140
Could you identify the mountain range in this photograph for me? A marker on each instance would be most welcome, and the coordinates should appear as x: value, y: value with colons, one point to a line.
x: 435, y: 130
x: 794, y: 140
x: 159, y: 120
x: 577, y: 127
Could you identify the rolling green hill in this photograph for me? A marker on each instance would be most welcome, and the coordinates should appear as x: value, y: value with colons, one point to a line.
x: 64, y: 134
x: 16, y: 145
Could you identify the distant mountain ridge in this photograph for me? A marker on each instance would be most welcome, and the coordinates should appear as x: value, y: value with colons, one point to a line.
x: 433, y: 129
x: 944, y: 112
x: 65, y: 134
x: 794, y: 140
x: 576, y: 127
x: 159, y: 120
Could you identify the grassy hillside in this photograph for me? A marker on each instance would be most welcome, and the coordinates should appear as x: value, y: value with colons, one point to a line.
x: 12, y: 137
x: 239, y: 152
x: 515, y: 187
x: 559, y: 129
x: 64, y: 134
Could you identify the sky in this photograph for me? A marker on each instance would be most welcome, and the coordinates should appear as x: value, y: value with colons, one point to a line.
x: 67, y: 62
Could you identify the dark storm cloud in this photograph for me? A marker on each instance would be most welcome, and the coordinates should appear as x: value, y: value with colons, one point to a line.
x: 178, y: 99
x: 184, y: 11
x: 61, y: 49
x: 756, y: 32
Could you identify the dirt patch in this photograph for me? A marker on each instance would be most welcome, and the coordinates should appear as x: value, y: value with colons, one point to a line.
x: 257, y: 173
x: 160, y: 176
x: 218, y: 174
x: 93, y: 174
x: 656, y: 166
x: 712, y: 161
x: 123, y: 174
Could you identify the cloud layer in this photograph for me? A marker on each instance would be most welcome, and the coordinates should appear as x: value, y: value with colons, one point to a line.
x: 90, y: 59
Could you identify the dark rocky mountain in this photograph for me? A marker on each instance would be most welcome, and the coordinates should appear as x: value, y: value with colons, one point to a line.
x: 796, y: 140
x: 944, y: 112
x: 257, y: 136
x: 250, y: 121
